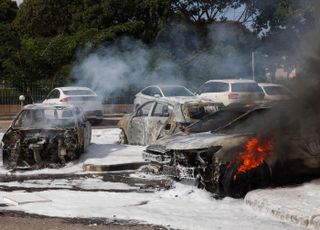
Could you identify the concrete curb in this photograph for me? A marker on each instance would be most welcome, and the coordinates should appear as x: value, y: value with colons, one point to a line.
x: 298, y: 205
x: 115, y: 167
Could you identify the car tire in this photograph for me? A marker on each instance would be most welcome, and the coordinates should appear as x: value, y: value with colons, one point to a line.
x: 5, y: 158
x: 94, y: 122
x: 122, y: 138
x: 238, y: 187
x: 98, y: 121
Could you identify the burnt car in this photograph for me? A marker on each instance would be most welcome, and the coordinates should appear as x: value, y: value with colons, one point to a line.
x: 237, y: 156
x: 162, y: 117
x: 45, y: 135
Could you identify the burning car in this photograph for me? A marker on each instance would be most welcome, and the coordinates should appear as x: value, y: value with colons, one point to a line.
x: 237, y: 156
x: 45, y: 135
x: 162, y: 117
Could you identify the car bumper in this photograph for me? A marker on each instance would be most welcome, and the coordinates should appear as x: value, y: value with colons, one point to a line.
x: 157, y: 158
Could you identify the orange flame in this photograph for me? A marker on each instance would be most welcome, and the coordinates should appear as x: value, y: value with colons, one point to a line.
x: 255, y: 152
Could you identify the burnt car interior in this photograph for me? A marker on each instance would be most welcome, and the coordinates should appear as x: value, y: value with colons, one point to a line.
x: 45, y: 137
x: 45, y: 118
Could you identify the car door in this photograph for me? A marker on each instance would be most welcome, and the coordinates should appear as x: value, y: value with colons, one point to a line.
x: 157, y: 122
x: 53, y: 97
x: 137, y: 124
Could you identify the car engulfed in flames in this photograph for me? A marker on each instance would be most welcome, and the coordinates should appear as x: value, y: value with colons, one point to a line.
x: 235, y: 158
x: 45, y: 136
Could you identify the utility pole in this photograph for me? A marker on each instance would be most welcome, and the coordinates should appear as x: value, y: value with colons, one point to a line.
x: 253, y: 66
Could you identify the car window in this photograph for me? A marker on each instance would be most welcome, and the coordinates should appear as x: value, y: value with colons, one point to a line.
x: 78, y: 92
x: 161, y: 110
x: 250, y: 122
x: 276, y: 90
x: 147, y: 91
x: 175, y: 91
x: 156, y: 91
x: 198, y: 111
x: 215, y: 87
x: 144, y: 110
x: 216, y: 120
x: 55, y: 94
x: 153, y: 91
x: 246, y: 87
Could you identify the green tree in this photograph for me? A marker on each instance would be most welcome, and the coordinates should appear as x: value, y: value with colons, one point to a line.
x: 50, y: 32
x: 8, y: 10
x: 9, y: 41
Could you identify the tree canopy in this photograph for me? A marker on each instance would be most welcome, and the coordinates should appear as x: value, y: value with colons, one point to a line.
x: 40, y: 40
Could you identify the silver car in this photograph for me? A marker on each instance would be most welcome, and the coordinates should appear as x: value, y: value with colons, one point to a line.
x: 153, y: 91
x: 162, y: 117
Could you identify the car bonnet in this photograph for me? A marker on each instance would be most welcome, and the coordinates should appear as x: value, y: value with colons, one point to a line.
x: 182, y: 141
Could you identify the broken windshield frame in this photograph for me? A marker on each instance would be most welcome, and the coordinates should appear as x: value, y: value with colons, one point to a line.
x: 245, y: 123
x: 45, y: 119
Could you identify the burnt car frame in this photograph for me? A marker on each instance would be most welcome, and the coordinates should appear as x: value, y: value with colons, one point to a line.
x: 162, y: 117
x: 45, y: 136
x: 215, y: 159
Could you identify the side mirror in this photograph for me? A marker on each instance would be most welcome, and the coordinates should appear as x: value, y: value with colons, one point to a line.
x: 157, y: 95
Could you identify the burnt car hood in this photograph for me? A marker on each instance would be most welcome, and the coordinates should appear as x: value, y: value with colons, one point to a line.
x: 182, y: 141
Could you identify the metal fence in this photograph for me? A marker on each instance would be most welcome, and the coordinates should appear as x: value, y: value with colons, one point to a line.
x: 9, y: 97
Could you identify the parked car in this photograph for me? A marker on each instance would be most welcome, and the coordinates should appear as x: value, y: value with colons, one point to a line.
x: 152, y: 91
x: 82, y: 97
x: 230, y: 91
x: 162, y: 117
x: 45, y: 135
x: 236, y: 157
x: 275, y: 92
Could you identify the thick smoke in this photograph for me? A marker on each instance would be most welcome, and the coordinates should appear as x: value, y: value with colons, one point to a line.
x: 183, y: 55
x: 126, y: 64
x: 294, y: 125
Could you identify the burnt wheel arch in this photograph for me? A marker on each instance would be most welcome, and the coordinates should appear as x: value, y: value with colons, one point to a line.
x: 122, y: 137
x: 259, y: 177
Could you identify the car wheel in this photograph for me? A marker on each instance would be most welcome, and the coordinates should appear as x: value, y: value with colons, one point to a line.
x: 122, y: 138
x: 95, y: 121
x: 238, y: 185
x: 98, y: 121
x: 5, y: 158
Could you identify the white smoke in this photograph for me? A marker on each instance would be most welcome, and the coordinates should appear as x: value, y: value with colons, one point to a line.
x: 18, y: 1
x: 126, y: 63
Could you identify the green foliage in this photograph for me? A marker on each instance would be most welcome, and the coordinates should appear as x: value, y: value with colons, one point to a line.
x: 8, y: 10
x: 40, y: 40
x: 45, y: 35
